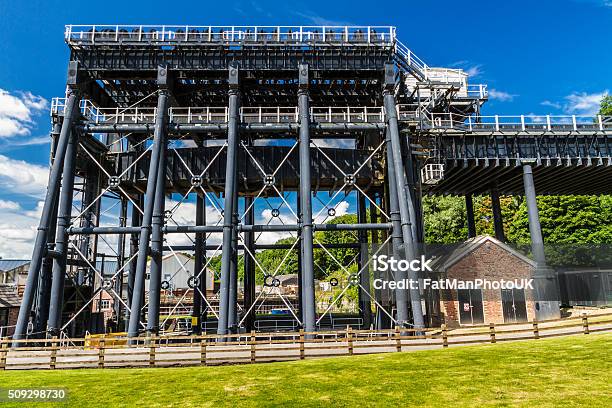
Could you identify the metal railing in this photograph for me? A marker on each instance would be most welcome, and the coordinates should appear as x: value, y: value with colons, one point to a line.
x: 524, y: 123
x: 355, y: 35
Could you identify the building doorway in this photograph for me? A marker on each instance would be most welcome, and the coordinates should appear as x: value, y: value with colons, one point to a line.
x: 513, y: 303
x: 470, y: 306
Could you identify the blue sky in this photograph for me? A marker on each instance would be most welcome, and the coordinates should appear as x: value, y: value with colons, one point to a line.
x: 536, y: 56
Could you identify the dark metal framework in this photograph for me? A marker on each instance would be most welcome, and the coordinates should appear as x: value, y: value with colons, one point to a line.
x: 222, y: 122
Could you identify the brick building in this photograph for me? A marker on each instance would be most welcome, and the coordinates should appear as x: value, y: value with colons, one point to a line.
x: 9, y: 309
x: 486, y: 258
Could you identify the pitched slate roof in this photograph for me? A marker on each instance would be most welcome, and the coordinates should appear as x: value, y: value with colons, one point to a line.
x: 10, y: 264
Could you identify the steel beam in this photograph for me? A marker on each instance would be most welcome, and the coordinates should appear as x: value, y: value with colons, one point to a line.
x: 136, y: 222
x: 232, y: 321
x: 118, y: 306
x: 61, y: 238
x: 46, y: 274
x: 547, y: 291
x: 498, y: 221
x: 72, y: 105
x: 308, y: 291
x: 469, y: 212
x: 401, y: 296
x: 404, y: 195
x: 233, y: 139
x: 199, y: 290
x: 157, y: 223
x: 249, y: 266
x: 145, y: 228
x: 365, y: 306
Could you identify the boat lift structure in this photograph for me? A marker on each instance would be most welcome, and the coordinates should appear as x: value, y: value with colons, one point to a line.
x: 177, y: 138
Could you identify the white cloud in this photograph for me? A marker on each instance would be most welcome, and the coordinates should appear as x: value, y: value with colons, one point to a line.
x: 18, y: 176
x: 582, y: 103
x: 474, y: 71
x: 320, y: 20
x: 554, y: 105
x: 17, y: 112
x: 501, y: 95
x: 17, y: 229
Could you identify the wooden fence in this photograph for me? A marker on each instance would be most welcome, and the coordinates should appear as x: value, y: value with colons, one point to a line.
x: 106, y: 352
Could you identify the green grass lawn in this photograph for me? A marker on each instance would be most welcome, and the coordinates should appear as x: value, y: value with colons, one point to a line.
x: 570, y: 372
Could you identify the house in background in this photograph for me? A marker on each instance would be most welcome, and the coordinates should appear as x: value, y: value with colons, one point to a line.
x: 483, y: 257
x: 9, y: 309
x: 177, y: 271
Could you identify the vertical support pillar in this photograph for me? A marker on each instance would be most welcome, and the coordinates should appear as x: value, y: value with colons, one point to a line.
x: 401, y: 295
x: 72, y: 106
x: 232, y: 323
x: 546, y: 289
x: 145, y: 228
x: 199, y: 289
x: 498, y: 221
x: 120, y: 261
x: 136, y: 221
x: 308, y: 292
x: 469, y: 212
x: 233, y: 139
x: 157, y: 238
x: 365, y: 306
x: 44, y: 291
x: 249, y: 266
x: 403, y: 195
x: 61, y: 239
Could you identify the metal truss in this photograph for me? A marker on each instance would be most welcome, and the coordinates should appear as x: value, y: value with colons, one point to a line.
x: 164, y: 124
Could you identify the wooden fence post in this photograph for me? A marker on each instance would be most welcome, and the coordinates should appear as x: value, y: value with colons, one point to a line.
x: 101, y: 353
x: 349, y: 340
x: 302, y: 351
x: 152, y: 346
x: 536, y: 330
x: 444, y: 336
x: 3, y: 353
x: 585, y: 323
x: 53, y: 357
x: 492, y: 332
x: 398, y: 340
x: 253, y: 345
x: 203, y: 351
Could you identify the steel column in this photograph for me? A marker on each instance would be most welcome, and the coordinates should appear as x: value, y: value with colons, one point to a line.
x: 72, y: 106
x: 157, y: 223
x: 199, y: 252
x: 308, y: 291
x: 46, y: 275
x: 61, y: 239
x: 365, y: 306
x: 469, y: 212
x: 136, y: 222
x: 233, y: 140
x: 145, y: 228
x: 498, y: 221
x: 404, y: 196
x: 249, y: 266
x: 547, y: 292
x: 232, y: 322
x: 117, y: 306
x: 401, y: 296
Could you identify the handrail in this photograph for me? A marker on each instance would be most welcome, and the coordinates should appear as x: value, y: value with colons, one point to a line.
x: 359, y: 35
